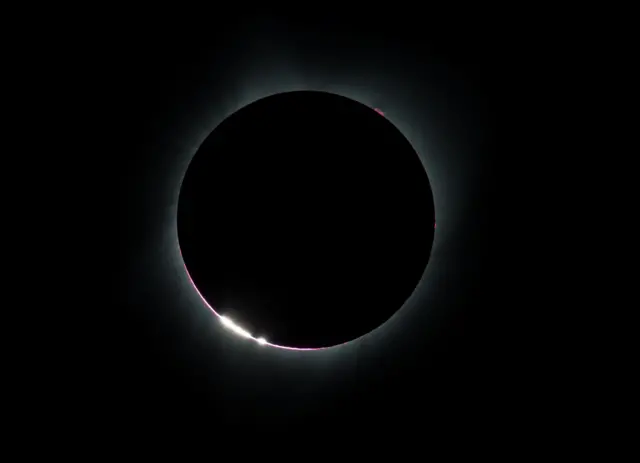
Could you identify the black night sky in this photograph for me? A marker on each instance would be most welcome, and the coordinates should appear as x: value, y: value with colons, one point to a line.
x: 253, y: 155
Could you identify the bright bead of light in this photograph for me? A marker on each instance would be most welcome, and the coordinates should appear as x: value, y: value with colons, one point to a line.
x: 235, y: 328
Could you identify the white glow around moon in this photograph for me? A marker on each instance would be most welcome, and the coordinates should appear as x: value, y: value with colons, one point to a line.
x: 260, y: 74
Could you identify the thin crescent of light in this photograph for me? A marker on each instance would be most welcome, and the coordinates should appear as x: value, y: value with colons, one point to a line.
x: 233, y: 327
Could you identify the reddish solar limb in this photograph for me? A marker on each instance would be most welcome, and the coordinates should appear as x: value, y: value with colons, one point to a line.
x: 379, y: 111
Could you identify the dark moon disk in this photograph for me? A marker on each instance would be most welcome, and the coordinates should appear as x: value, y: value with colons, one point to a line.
x: 307, y: 218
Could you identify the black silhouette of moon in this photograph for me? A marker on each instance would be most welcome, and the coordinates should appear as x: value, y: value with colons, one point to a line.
x: 307, y: 218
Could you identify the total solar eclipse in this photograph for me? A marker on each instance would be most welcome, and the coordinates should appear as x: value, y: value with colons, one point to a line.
x: 305, y: 220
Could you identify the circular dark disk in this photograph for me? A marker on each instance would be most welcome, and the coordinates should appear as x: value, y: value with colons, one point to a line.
x: 307, y: 218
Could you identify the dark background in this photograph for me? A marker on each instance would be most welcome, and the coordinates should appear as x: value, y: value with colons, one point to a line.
x: 455, y: 354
